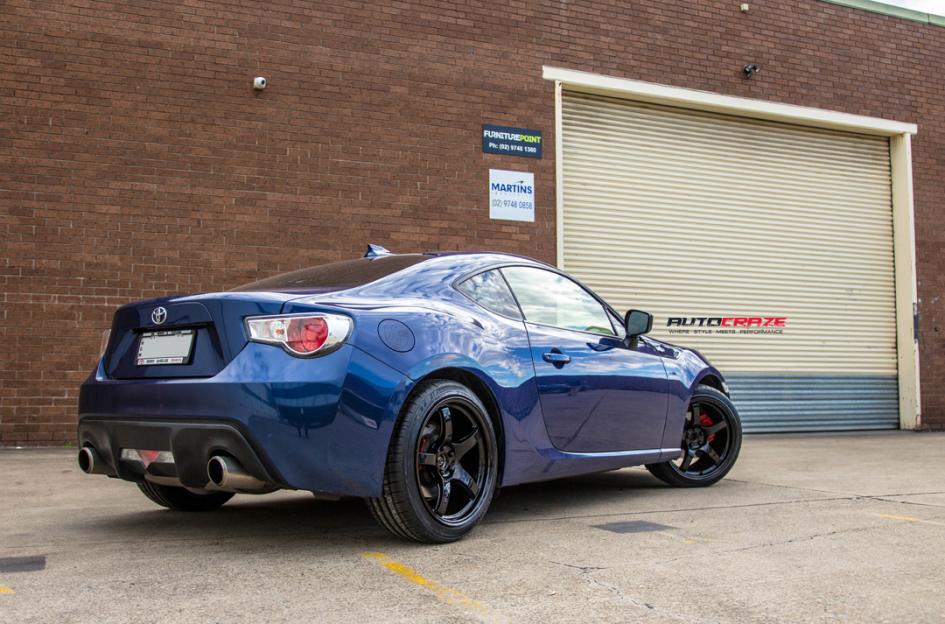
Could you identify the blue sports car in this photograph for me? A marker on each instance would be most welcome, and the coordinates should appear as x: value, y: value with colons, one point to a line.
x: 419, y: 382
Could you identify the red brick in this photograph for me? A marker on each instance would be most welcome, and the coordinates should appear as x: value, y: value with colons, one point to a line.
x: 133, y: 148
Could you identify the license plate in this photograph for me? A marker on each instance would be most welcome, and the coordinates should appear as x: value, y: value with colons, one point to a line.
x: 165, y: 347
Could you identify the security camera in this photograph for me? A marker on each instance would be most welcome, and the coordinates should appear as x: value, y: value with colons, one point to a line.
x: 750, y: 70
x: 259, y: 83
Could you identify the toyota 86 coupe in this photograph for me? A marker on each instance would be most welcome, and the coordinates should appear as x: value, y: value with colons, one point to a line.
x: 421, y: 383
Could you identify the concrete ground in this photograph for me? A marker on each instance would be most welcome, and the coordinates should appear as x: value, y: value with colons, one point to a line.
x: 831, y: 528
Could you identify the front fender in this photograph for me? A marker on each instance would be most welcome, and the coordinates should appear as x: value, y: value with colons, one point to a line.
x: 686, y: 371
x: 710, y: 372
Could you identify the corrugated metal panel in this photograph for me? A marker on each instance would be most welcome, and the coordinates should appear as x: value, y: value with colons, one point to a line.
x: 692, y: 214
x: 771, y: 403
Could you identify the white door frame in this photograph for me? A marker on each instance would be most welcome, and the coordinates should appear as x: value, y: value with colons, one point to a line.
x: 900, y: 161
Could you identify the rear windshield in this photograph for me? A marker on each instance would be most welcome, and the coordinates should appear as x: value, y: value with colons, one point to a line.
x: 337, y: 275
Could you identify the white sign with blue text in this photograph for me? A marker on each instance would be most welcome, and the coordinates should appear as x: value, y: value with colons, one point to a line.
x: 511, y: 195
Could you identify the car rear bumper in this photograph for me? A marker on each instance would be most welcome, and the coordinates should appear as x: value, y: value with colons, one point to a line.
x: 188, y: 440
x: 320, y: 424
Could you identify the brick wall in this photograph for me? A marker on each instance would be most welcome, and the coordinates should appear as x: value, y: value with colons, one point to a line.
x: 137, y: 161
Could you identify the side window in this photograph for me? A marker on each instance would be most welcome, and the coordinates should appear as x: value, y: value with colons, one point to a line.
x: 489, y: 290
x: 553, y: 299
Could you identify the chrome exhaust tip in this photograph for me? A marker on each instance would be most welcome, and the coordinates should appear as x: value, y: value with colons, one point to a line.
x: 227, y: 474
x: 90, y: 462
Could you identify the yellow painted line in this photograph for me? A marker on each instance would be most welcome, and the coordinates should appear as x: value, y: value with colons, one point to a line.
x: 903, y: 518
x: 6, y: 590
x: 909, y: 519
x: 445, y: 594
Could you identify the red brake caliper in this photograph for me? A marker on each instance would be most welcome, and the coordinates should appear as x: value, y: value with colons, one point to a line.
x: 705, y: 421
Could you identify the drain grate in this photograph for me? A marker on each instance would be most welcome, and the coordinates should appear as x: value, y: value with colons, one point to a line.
x: 22, y: 564
x: 632, y: 526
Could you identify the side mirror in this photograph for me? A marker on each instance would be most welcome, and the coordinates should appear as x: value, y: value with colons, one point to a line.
x: 637, y: 323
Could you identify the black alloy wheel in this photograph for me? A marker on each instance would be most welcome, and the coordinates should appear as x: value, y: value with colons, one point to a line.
x: 711, y: 441
x: 442, y: 468
x: 451, y: 460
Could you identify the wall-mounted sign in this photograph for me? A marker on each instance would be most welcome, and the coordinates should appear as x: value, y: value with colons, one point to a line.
x: 511, y: 195
x: 511, y: 141
x: 726, y: 325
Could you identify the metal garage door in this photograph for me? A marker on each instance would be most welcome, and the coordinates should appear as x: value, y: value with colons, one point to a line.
x: 723, y: 225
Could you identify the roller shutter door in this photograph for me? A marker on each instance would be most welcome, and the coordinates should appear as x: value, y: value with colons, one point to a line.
x: 692, y: 215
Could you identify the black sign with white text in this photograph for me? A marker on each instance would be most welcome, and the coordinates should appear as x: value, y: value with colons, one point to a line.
x: 511, y: 141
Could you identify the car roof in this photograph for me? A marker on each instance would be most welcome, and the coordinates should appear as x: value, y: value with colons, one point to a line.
x: 480, y: 259
x: 401, y: 273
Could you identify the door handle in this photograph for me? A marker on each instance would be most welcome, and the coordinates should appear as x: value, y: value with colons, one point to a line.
x: 556, y: 357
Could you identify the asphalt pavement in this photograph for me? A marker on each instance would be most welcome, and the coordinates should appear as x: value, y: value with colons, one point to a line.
x: 806, y: 528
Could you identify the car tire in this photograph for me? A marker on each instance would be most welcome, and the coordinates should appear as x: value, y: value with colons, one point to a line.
x: 182, y: 499
x: 710, y: 448
x: 442, y: 466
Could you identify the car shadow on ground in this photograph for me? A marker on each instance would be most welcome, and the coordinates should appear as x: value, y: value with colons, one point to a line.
x: 280, y: 516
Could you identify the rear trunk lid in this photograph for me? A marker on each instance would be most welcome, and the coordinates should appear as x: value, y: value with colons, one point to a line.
x: 176, y: 337
x: 198, y: 335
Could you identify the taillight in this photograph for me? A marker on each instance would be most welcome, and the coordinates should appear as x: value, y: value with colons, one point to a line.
x: 301, y: 334
x: 104, y: 344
